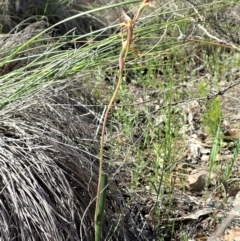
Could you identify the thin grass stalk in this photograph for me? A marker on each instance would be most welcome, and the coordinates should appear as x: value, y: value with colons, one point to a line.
x: 213, y: 154
x: 229, y: 168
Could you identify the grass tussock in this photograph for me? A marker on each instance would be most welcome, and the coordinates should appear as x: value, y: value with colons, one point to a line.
x: 49, y: 171
x: 22, y: 13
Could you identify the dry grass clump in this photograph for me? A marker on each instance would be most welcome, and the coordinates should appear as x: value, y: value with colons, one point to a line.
x: 13, y: 12
x: 49, y: 171
x: 10, y: 42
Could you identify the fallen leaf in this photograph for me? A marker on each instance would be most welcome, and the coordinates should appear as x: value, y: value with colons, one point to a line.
x: 233, y: 234
x: 232, y: 134
x: 194, y: 216
x: 197, y: 182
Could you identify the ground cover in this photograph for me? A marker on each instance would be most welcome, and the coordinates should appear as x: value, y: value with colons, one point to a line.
x: 173, y: 134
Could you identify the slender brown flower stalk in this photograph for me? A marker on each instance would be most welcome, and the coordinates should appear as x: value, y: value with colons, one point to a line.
x: 127, y: 25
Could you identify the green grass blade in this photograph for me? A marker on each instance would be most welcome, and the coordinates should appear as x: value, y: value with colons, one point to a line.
x: 100, y: 207
x: 229, y: 168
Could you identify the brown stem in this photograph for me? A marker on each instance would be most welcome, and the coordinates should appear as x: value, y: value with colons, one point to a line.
x: 121, y: 67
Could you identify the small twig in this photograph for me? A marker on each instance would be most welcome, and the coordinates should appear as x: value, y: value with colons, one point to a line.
x: 100, y: 122
x: 226, y: 221
x: 207, y: 32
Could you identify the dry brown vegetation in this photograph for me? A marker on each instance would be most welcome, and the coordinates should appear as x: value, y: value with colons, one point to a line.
x: 49, y: 169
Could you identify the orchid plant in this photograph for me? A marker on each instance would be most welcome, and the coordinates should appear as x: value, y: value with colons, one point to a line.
x: 127, y: 26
